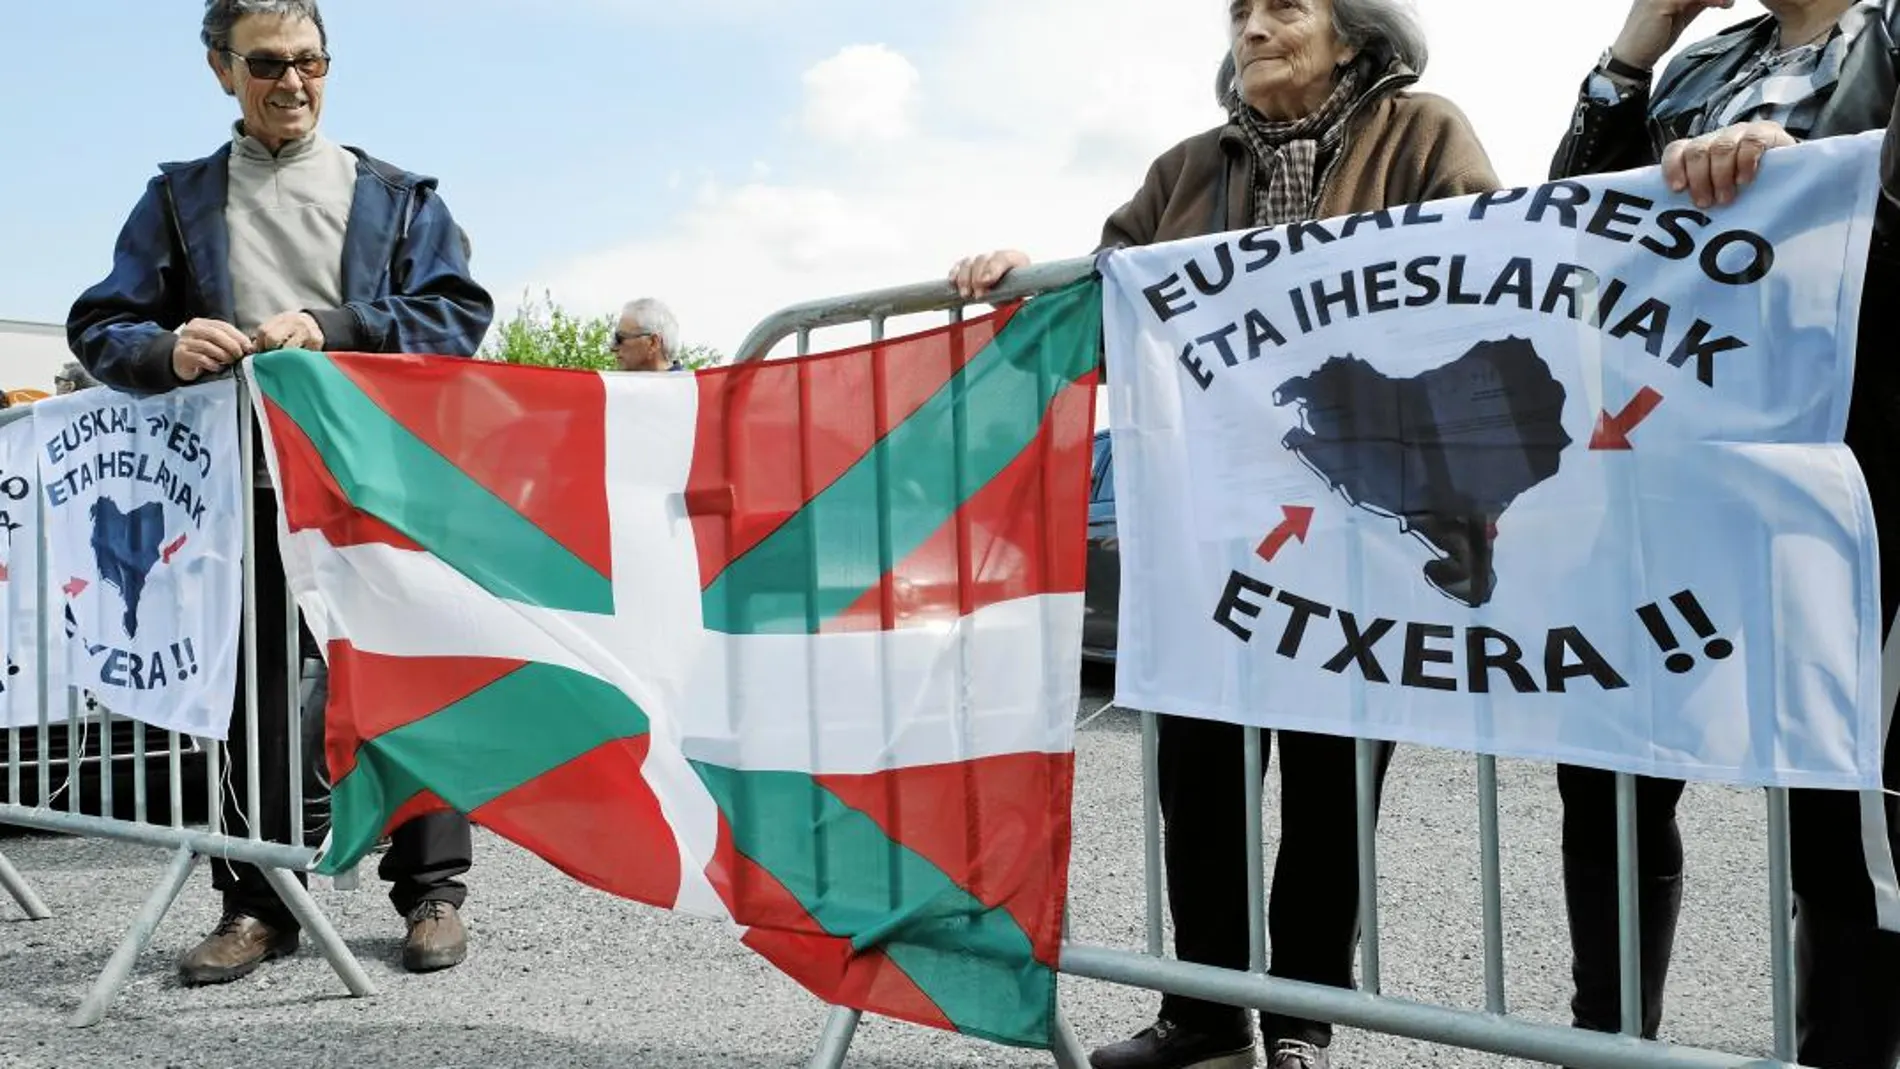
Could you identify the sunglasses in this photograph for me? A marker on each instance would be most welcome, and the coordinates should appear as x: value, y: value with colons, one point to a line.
x: 622, y: 339
x: 272, y: 68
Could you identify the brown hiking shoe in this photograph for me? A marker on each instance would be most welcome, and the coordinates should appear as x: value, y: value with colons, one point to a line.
x: 436, y: 940
x: 240, y: 943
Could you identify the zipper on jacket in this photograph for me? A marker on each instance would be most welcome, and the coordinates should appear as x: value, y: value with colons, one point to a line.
x: 407, y: 216
x: 184, y: 250
x: 402, y: 233
x: 385, y: 276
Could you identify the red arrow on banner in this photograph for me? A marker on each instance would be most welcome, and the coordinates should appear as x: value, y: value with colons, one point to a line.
x: 1613, y: 432
x: 75, y: 587
x: 172, y: 549
x: 1299, y: 520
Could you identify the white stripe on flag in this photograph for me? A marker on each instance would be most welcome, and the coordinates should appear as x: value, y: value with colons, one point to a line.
x: 818, y: 703
x: 810, y: 703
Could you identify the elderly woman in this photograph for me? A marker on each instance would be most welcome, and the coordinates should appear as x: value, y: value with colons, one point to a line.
x: 1319, y: 125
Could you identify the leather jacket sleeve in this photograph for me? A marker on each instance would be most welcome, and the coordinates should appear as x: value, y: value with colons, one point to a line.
x: 434, y: 306
x: 121, y: 329
x: 1887, y: 212
x: 1606, y: 137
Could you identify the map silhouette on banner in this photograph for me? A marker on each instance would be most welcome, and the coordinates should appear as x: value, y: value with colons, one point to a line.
x: 1443, y: 452
x: 125, y: 547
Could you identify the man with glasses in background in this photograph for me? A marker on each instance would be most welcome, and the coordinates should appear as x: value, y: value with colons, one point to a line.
x: 285, y: 239
x: 647, y: 338
x: 72, y: 378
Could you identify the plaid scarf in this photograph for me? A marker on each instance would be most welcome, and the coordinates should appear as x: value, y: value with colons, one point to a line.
x: 1287, y: 154
x: 1788, y: 87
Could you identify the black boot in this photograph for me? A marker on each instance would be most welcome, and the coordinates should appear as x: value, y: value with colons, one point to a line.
x: 1165, y: 1045
x: 1596, y: 966
x: 1847, y: 986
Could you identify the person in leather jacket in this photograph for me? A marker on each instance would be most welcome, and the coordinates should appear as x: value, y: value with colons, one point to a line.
x: 1809, y: 69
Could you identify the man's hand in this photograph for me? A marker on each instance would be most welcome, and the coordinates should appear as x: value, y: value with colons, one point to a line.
x: 1715, y: 166
x: 206, y: 347
x: 289, y: 330
x: 1654, y: 27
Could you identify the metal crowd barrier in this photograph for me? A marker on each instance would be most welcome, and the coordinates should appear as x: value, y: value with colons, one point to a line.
x: 48, y: 765
x: 105, y: 739
x: 1493, y: 1030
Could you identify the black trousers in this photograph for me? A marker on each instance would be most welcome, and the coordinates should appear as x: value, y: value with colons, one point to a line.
x: 426, y: 856
x: 1843, y: 845
x: 1313, y: 906
x: 1847, y: 969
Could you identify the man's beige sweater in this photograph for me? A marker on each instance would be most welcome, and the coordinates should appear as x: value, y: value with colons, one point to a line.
x: 287, y: 214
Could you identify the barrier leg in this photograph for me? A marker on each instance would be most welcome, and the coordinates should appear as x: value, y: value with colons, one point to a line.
x: 321, y: 932
x: 1781, y: 919
x: 144, y: 926
x: 22, y: 892
x: 1068, y: 1049
x: 840, y: 1028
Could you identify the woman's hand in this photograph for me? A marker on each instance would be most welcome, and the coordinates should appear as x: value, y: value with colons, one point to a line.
x: 975, y: 276
x: 1715, y: 166
x: 1654, y: 27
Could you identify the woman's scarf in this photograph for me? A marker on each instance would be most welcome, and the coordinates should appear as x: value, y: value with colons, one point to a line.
x: 1287, y: 154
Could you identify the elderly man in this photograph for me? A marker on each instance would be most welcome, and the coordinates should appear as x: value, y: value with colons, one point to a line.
x: 72, y: 378
x: 282, y: 238
x: 1809, y: 69
x: 647, y: 338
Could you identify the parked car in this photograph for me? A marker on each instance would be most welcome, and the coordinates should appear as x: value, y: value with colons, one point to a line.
x: 1101, y: 598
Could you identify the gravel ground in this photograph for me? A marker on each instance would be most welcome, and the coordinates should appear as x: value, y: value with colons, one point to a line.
x: 562, y: 977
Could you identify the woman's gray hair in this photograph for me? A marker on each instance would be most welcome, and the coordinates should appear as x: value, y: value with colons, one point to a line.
x: 1390, y: 27
x: 222, y: 15
x: 1381, y: 30
x: 657, y: 317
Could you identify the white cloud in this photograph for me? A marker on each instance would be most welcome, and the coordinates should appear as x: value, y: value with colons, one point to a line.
x: 1024, y: 125
x: 743, y: 251
x: 864, y: 93
x: 748, y: 13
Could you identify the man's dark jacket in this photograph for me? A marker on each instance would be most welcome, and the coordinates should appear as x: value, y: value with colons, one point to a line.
x: 406, y: 284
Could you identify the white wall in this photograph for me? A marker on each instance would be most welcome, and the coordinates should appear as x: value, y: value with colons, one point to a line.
x: 31, y: 354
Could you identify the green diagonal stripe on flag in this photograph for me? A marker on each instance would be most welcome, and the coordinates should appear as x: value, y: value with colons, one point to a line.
x: 1004, y: 391
x: 859, y: 884
x: 473, y: 751
x: 391, y: 474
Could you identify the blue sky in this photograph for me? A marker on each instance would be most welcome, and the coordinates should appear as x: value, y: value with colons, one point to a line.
x: 546, y: 122
x: 729, y: 157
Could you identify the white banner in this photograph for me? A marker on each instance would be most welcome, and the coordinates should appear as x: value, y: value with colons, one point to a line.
x: 19, y: 579
x: 145, y: 542
x: 1550, y: 473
